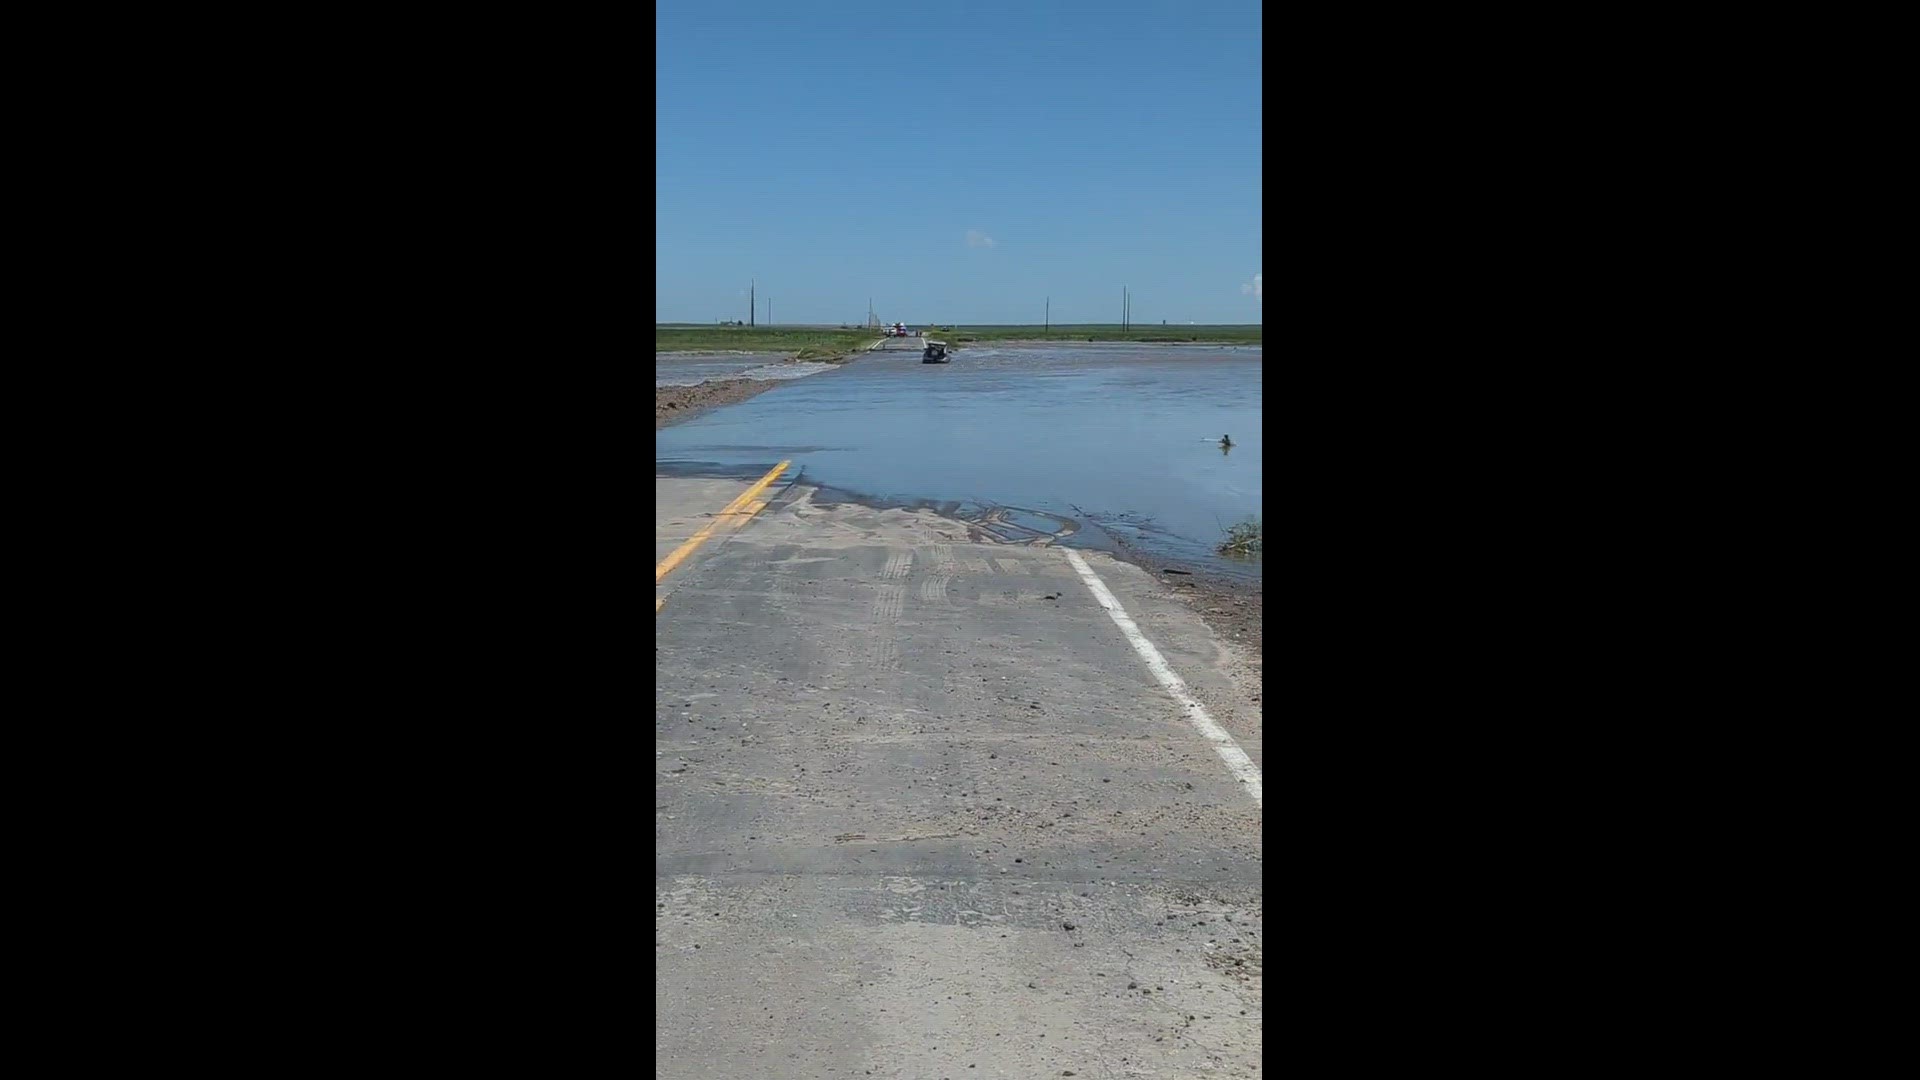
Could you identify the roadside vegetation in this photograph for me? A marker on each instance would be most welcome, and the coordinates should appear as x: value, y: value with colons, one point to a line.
x: 816, y: 343
x: 1242, y: 540
x: 805, y: 343
x: 1215, y: 335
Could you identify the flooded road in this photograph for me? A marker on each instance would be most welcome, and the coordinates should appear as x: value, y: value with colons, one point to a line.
x: 1095, y: 441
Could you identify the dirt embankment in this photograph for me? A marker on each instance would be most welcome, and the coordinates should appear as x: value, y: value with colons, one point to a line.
x: 672, y: 404
x: 1231, y: 607
x: 1233, y: 611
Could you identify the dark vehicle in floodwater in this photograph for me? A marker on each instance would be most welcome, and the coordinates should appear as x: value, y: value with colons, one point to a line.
x: 936, y: 353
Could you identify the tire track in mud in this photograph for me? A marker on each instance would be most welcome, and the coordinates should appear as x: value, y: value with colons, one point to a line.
x: 933, y: 588
x: 888, y: 602
x: 974, y: 564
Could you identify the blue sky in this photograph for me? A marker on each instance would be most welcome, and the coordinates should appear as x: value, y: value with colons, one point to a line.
x: 958, y: 163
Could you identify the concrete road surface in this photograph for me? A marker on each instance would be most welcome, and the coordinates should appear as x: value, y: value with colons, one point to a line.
x: 682, y: 509
x: 924, y: 810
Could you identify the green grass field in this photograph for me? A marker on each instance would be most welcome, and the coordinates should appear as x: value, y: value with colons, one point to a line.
x: 1217, y: 335
x: 814, y: 343
x: 808, y: 344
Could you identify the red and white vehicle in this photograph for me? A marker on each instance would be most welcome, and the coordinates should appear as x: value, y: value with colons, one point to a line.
x: 899, y: 330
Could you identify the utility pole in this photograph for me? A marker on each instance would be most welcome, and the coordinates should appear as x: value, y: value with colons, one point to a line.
x: 752, y: 304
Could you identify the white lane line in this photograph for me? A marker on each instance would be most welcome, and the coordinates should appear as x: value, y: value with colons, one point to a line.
x: 1237, y: 760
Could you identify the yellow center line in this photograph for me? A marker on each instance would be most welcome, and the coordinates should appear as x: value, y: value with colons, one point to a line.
x: 737, y: 512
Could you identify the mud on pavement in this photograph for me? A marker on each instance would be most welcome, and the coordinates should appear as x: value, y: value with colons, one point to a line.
x: 921, y: 811
x: 1231, y: 606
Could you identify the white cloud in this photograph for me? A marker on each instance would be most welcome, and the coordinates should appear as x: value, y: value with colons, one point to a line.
x: 976, y: 238
x: 1251, y: 288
